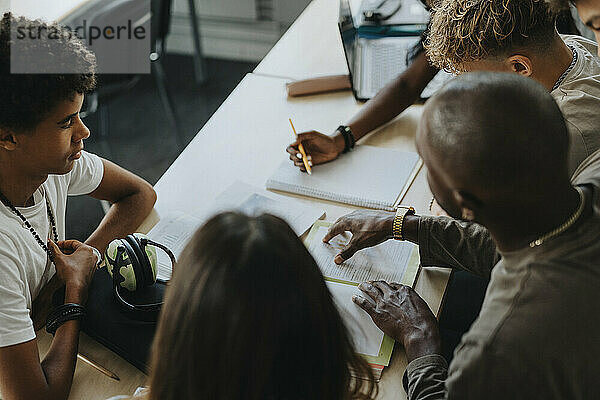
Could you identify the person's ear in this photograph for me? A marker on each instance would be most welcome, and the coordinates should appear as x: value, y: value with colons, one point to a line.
x: 520, y: 64
x: 8, y: 140
x: 468, y: 204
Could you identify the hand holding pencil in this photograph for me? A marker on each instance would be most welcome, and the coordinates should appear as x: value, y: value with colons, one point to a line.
x: 305, y: 160
x: 319, y: 149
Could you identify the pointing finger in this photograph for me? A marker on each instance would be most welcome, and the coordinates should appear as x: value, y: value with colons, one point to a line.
x: 347, y: 252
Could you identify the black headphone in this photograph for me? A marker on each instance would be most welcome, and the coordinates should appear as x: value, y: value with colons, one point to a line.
x: 375, y: 17
x: 132, y: 263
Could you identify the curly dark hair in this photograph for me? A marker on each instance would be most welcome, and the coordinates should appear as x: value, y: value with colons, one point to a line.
x: 463, y: 31
x: 27, y: 98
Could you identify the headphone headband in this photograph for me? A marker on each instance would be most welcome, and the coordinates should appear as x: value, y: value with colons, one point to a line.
x: 132, y: 262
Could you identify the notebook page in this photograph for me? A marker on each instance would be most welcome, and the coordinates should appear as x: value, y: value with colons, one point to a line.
x: 391, y: 261
x: 368, y: 176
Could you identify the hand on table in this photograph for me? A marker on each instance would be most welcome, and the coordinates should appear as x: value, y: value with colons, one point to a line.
x: 319, y: 147
x: 75, y: 265
x: 402, y: 314
x: 368, y: 228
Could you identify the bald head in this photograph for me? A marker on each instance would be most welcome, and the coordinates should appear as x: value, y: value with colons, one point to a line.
x: 494, y: 133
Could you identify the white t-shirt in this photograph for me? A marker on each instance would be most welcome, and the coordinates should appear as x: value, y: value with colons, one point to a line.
x: 578, y: 97
x: 24, y: 266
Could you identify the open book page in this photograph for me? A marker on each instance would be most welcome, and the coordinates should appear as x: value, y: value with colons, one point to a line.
x: 366, y: 335
x: 176, y: 229
x: 391, y: 261
x: 173, y: 231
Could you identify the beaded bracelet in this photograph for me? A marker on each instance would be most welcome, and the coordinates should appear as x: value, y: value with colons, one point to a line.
x: 62, y: 314
x: 349, y: 140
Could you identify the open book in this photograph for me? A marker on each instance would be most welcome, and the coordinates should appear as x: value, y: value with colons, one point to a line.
x: 368, y: 176
x: 391, y: 261
x: 176, y: 229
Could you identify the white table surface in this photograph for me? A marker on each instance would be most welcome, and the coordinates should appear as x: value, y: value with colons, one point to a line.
x: 245, y: 140
x: 311, y: 47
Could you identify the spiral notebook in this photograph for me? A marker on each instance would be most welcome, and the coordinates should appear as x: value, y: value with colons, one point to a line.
x: 371, y: 177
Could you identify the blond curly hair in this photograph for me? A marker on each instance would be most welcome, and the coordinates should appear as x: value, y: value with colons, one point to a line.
x: 464, y: 31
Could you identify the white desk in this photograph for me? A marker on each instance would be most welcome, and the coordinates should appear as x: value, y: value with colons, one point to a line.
x: 311, y: 47
x: 245, y: 140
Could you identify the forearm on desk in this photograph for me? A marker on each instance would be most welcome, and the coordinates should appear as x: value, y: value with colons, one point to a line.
x: 23, y: 376
x: 59, y: 363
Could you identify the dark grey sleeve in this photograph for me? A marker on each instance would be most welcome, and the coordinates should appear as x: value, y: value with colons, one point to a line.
x: 446, y: 242
x: 426, y: 378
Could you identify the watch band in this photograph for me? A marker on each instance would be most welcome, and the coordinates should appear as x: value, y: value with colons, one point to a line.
x: 398, y: 221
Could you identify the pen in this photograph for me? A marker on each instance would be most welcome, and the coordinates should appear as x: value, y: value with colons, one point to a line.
x: 301, y: 148
x: 98, y: 367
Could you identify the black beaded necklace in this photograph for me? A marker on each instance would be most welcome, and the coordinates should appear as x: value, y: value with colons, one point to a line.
x: 31, y: 229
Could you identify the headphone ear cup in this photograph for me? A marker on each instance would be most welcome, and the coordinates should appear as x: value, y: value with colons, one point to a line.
x: 149, y: 255
x: 123, y: 270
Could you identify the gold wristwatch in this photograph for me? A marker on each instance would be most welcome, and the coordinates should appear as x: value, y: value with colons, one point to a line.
x: 401, y: 212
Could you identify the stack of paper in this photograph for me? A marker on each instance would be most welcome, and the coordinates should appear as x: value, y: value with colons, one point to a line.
x: 391, y: 261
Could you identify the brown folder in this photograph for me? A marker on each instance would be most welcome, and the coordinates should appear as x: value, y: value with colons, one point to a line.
x: 323, y: 84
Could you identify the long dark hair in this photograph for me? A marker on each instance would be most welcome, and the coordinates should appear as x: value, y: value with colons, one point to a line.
x: 248, y: 316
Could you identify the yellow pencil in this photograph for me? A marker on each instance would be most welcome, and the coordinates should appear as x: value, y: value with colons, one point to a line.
x: 98, y: 367
x: 301, y: 148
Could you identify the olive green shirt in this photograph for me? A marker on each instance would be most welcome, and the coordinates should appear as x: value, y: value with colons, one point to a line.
x: 537, y: 335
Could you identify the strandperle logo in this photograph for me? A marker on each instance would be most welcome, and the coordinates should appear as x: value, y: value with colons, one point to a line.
x: 87, y: 33
x: 118, y: 33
